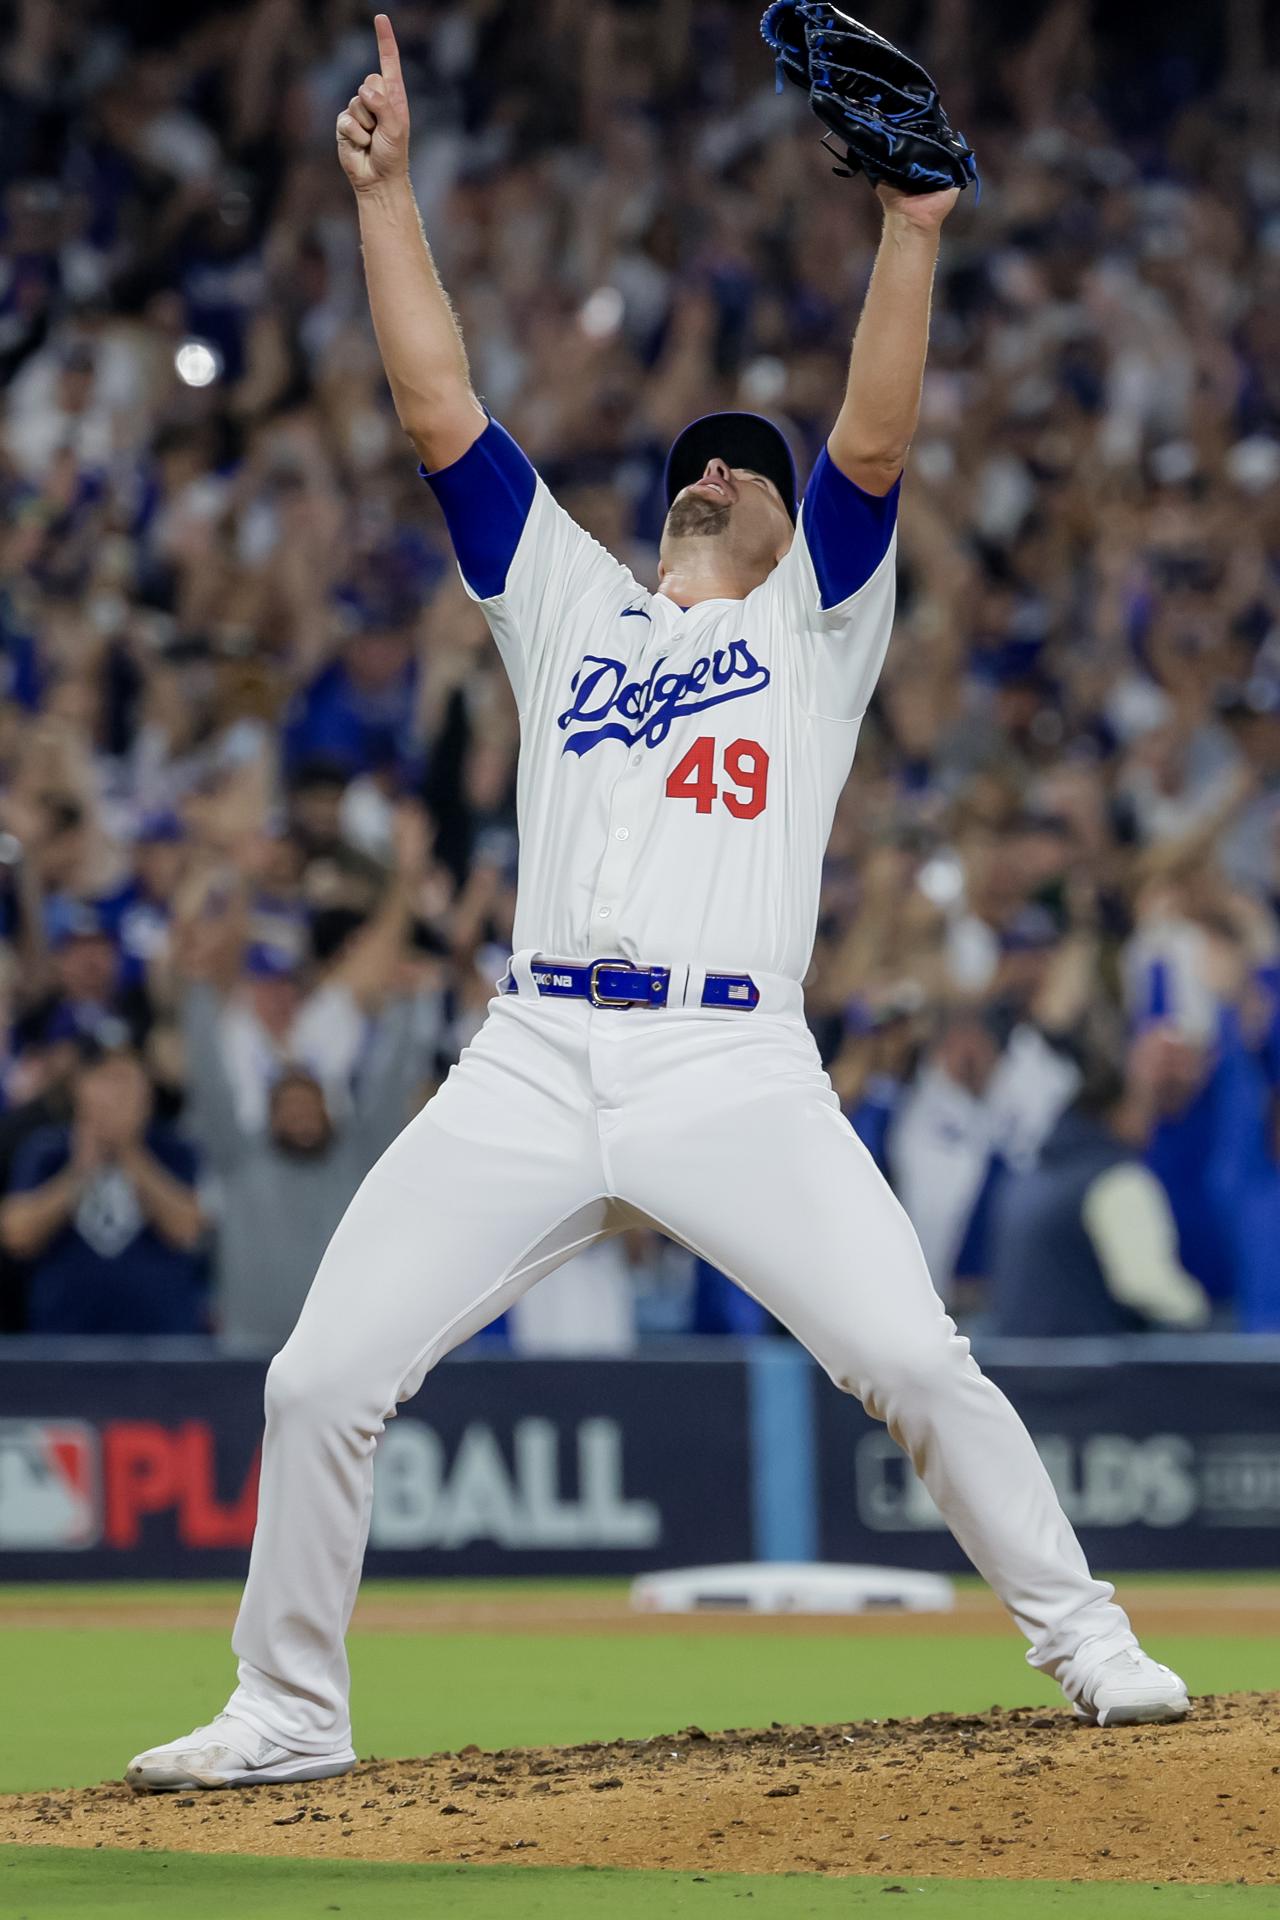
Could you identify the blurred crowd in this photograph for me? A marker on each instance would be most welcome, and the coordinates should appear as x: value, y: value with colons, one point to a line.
x: 257, y: 832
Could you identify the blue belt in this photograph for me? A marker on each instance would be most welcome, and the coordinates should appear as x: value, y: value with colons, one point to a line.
x: 616, y: 983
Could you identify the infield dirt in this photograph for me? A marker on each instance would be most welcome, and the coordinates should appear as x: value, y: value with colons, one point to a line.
x: 1187, y: 1607
x: 1018, y: 1794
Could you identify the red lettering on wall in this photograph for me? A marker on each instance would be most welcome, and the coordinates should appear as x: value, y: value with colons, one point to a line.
x: 151, y: 1469
x: 139, y: 1476
x: 204, y: 1520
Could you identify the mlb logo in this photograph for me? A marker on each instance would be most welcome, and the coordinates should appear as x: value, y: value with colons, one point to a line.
x: 50, y: 1485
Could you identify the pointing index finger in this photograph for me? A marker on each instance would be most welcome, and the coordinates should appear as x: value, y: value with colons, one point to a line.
x: 388, y: 51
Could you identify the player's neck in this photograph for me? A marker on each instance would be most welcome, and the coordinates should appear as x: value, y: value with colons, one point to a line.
x: 701, y: 573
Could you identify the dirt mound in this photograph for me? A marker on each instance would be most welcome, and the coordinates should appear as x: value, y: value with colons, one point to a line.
x: 1022, y: 1794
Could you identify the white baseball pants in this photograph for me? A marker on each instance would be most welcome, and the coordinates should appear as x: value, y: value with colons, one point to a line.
x: 560, y: 1125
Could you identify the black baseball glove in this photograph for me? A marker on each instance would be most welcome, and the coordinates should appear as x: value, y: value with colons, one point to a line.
x: 881, y: 106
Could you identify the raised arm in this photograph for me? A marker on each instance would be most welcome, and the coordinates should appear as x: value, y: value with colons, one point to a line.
x: 886, y: 371
x: 368, y: 965
x: 418, y: 334
x: 216, y: 1124
x: 399, y: 1061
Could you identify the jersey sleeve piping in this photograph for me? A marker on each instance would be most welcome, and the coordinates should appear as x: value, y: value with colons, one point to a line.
x: 848, y: 532
x: 486, y: 498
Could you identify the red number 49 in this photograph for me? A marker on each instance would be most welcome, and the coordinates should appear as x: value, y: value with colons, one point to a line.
x: 746, y: 766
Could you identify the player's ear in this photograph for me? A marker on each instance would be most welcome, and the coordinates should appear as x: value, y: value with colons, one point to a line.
x: 662, y: 571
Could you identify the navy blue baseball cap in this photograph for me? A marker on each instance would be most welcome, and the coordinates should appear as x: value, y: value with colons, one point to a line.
x: 740, y: 440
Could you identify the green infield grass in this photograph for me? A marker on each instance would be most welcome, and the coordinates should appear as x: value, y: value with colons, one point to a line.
x: 80, y: 1699
x: 60, y: 1883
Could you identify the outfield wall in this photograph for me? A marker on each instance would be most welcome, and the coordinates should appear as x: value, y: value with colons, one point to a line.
x: 141, y: 1462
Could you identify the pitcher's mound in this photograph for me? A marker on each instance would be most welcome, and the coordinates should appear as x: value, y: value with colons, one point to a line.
x: 1023, y: 1794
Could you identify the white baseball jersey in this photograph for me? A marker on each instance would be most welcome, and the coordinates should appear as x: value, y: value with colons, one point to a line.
x: 678, y: 775
x: 679, y: 770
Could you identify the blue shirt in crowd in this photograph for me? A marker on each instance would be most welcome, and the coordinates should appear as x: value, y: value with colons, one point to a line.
x: 108, y: 1270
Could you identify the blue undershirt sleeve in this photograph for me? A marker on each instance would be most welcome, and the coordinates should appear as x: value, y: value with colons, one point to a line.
x: 846, y: 530
x: 485, y: 498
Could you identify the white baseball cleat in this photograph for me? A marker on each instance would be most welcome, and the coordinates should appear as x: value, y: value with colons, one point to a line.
x: 228, y: 1754
x: 1126, y: 1688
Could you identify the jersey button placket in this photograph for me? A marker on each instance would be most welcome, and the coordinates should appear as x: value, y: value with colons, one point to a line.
x: 615, y: 868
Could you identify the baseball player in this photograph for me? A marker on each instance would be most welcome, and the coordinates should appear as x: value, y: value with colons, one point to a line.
x: 646, y: 1057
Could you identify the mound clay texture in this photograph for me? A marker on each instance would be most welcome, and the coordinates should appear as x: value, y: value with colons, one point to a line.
x: 1024, y: 1794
